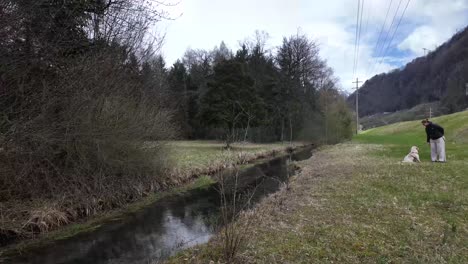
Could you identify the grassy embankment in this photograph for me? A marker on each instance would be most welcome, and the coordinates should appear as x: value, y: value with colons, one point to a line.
x: 192, y: 158
x: 189, y: 163
x: 356, y: 203
x: 418, y: 112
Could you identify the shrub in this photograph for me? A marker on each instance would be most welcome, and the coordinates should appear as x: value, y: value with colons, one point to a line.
x: 81, y: 138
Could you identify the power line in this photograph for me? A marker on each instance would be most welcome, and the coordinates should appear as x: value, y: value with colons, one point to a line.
x: 381, y: 31
x: 359, y: 36
x: 356, y: 38
x: 396, y: 29
x: 387, y: 34
x: 369, y: 12
x: 368, y: 17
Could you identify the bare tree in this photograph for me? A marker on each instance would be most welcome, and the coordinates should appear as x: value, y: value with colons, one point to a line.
x: 76, y: 110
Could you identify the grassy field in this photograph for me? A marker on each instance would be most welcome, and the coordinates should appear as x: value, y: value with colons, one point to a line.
x: 202, y: 154
x: 191, y: 158
x: 356, y: 203
x: 401, y: 136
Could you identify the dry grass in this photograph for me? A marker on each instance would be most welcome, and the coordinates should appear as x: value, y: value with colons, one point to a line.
x: 187, y: 160
x: 348, y: 205
x: 192, y: 158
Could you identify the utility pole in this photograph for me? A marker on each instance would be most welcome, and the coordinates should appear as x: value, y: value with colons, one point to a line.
x: 425, y: 51
x: 430, y: 112
x: 357, y: 104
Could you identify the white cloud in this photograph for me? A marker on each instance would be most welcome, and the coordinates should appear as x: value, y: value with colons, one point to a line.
x: 205, y: 23
x: 421, y: 37
x: 436, y: 21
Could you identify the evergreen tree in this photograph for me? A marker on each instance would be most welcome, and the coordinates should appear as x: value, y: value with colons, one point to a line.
x: 230, y: 92
x: 177, y: 80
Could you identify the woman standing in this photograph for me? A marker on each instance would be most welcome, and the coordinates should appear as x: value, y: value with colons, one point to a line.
x: 435, y: 136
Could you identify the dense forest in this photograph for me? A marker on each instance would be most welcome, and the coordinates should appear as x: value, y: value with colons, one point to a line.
x: 441, y: 76
x: 253, y: 95
x: 83, y: 89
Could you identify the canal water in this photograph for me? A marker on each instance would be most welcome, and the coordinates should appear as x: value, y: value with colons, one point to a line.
x: 164, y: 228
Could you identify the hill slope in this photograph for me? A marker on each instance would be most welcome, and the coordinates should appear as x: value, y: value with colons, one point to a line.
x: 418, y: 112
x: 401, y: 136
x: 439, y: 76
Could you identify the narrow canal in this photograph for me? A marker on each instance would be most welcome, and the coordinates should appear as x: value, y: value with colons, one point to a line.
x: 164, y: 228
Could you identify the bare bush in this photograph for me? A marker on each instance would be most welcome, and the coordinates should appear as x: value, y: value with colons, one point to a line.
x: 235, y: 219
x: 82, y: 141
x: 84, y: 129
x: 77, y: 110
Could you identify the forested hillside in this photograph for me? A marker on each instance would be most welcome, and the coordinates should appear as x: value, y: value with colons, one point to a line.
x: 439, y: 76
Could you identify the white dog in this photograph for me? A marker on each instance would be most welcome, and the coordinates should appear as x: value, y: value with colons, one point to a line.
x: 413, y: 156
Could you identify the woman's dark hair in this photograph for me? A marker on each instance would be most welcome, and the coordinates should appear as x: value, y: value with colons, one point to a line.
x: 425, y: 121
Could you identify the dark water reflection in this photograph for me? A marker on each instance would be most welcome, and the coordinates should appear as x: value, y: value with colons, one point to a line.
x: 161, y: 230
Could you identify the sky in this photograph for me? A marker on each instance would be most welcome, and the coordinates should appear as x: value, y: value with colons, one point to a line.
x: 203, y: 24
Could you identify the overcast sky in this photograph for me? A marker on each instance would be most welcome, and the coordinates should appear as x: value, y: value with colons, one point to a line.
x: 332, y: 23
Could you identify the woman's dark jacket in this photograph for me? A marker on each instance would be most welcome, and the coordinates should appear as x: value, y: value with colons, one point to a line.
x: 434, y: 131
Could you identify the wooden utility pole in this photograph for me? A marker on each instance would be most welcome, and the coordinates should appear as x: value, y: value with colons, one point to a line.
x: 425, y: 51
x: 357, y: 104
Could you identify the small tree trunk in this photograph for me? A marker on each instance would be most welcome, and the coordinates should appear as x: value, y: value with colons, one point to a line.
x: 290, y: 130
x: 247, y: 130
x: 97, y: 19
x: 229, y: 136
x: 282, y: 130
x: 228, y: 140
x: 326, y: 123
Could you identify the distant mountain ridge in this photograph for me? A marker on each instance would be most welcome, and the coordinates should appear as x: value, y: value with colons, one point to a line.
x: 442, y: 76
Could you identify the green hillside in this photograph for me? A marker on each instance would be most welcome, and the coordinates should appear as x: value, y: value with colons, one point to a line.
x: 401, y: 136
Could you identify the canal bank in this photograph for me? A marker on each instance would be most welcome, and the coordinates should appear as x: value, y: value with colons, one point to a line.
x: 179, y: 219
